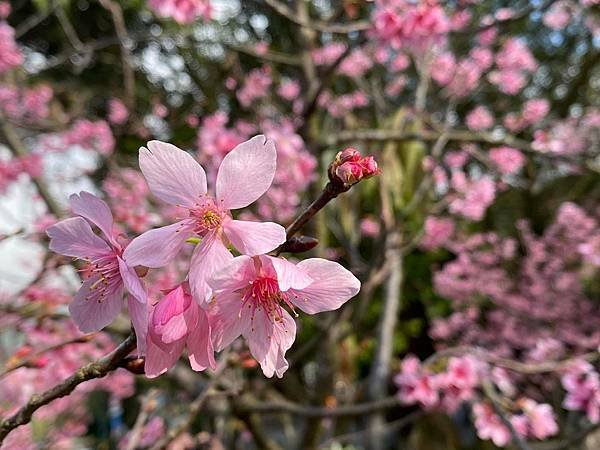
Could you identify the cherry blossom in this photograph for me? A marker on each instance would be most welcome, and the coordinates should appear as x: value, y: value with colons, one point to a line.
x: 99, y: 300
x: 176, y: 178
x: 175, y: 322
x: 252, y: 296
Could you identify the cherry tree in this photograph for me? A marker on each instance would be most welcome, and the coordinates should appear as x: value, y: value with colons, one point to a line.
x: 299, y: 224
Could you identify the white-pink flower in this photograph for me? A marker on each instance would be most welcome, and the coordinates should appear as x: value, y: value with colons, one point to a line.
x: 252, y: 296
x: 99, y: 300
x: 176, y: 178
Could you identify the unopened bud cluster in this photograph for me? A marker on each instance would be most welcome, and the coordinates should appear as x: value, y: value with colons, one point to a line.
x: 349, y: 167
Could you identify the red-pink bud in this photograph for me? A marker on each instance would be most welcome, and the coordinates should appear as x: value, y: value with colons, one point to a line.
x: 350, y: 167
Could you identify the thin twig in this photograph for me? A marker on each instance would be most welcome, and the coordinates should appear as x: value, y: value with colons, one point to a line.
x: 490, y: 393
x: 148, y: 405
x: 427, y: 135
x: 96, y: 369
x: 28, y: 361
x: 329, y: 192
x: 196, y: 406
x: 126, y: 58
x: 16, y: 146
x: 357, y: 409
x: 318, y: 25
x: 395, y: 425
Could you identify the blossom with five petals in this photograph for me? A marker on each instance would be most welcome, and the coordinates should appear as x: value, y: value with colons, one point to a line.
x: 176, y: 178
x: 251, y: 296
x: 99, y: 300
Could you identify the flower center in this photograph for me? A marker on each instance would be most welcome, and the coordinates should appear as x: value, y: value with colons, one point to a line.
x: 263, y: 293
x: 207, y: 218
x: 104, y: 270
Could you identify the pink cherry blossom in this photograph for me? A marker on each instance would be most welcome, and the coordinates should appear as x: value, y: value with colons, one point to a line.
x: 5, y: 9
x: 176, y: 178
x: 175, y: 322
x: 535, y: 110
x: 369, y: 227
x: 590, y: 251
x: 117, y: 112
x: 437, y: 232
x: 182, y: 11
x: 540, y: 418
x: 558, y: 16
x: 403, y: 23
x: 489, y: 425
x: 99, y: 300
x: 289, y: 90
x: 415, y: 385
x: 252, y: 296
x: 94, y: 136
x: 356, y: 64
x: 474, y: 197
x: 582, y: 384
x: 507, y: 160
x: 479, y: 119
x: 256, y: 86
x: 10, y: 55
x: 328, y: 54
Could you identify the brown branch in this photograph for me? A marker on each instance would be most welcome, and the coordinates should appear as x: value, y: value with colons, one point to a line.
x: 388, y: 320
x: 272, y: 56
x: 196, y: 406
x: 357, y: 409
x: 96, y: 369
x: 68, y: 28
x: 329, y: 192
x: 317, y: 25
x: 395, y: 425
x: 128, y: 72
x: 16, y: 146
x: 507, y: 363
x: 28, y: 361
x: 148, y: 405
x: 490, y: 393
x: 426, y: 135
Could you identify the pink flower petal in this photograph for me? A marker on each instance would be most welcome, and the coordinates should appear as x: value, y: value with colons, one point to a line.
x: 208, y: 257
x: 156, y: 248
x: 132, y: 282
x: 289, y: 275
x: 268, y: 342
x: 246, y: 172
x: 159, y: 360
x: 173, y: 175
x: 174, y: 316
x: 254, y: 238
x: 92, y: 315
x: 96, y: 211
x: 233, y: 276
x: 139, y: 317
x: 228, y: 319
x: 332, y: 286
x: 200, y: 348
x: 74, y: 237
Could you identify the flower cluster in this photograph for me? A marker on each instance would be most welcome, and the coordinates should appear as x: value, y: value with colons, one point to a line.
x: 462, y: 382
x: 223, y: 296
x: 182, y: 11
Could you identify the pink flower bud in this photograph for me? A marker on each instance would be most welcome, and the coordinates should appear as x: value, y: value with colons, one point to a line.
x: 350, y: 167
